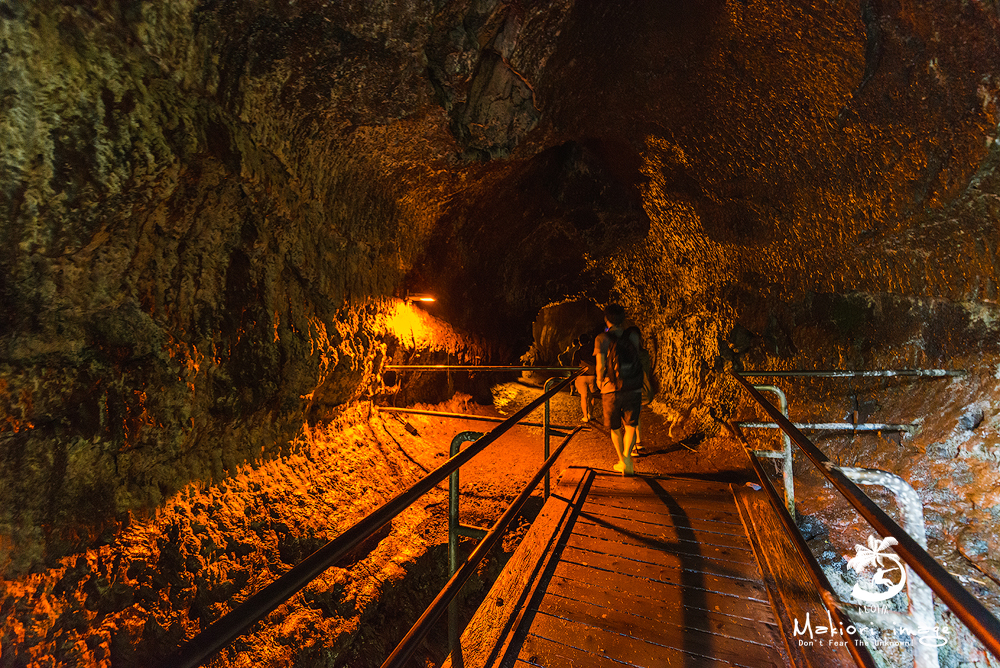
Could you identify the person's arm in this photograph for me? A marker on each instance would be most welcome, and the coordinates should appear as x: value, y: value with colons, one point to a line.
x: 602, y: 361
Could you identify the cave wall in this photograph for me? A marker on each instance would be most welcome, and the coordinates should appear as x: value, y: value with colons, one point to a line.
x: 856, y: 166
x: 208, y: 208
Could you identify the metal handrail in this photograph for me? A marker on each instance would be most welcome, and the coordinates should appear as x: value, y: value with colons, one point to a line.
x: 826, y: 591
x: 886, y: 373
x: 466, y: 416
x: 837, y: 426
x: 470, y: 367
x: 233, y: 624
x: 437, y: 607
x: 966, y: 607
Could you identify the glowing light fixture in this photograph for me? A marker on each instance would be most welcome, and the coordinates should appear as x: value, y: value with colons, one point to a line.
x: 420, y: 297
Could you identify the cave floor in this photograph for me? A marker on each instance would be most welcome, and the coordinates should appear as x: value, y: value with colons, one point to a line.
x: 667, y: 448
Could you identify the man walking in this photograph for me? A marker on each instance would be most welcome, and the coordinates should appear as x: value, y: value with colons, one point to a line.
x: 619, y: 377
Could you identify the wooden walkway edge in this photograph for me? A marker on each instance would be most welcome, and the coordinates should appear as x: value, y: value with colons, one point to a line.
x: 490, y: 630
x: 793, y: 595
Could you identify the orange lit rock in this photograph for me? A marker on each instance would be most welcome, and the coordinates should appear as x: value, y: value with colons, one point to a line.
x: 209, y: 213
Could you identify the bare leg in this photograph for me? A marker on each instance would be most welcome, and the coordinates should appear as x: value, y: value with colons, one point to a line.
x: 617, y: 442
x: 629, y: 440
x: 620, y: 441
x: 581, y: 387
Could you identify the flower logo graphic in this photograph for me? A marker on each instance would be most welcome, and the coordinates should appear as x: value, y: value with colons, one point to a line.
x: 873, y: 555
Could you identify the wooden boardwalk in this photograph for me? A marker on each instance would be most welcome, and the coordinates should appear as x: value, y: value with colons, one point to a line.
x: 647, y: 572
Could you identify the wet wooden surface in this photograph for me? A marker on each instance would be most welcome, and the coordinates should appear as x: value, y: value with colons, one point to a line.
x: 640, y: 571
x: 793, y: 594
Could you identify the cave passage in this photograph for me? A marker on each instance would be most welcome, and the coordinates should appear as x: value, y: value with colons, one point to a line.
x: 218, y: 218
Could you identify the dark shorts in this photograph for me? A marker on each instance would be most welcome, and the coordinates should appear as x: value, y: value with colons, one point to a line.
x: 621, y: 407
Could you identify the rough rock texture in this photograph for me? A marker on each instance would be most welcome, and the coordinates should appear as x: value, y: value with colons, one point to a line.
x: 209, y: 547
x: 208, y: 212
x: 198, y: 242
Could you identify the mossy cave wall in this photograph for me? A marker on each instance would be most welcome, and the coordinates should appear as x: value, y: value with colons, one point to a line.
x: 210, y: 210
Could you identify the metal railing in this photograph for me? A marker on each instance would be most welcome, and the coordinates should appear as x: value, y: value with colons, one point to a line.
x: 455, y: 527
x: 469, y: 367
x: 921, y: 604
x: 232, y: 625
x: 837, y: 426
x: 826, y: 591
x: 837, y: 373
x: 786, y: 452
x: 980, y: 621
x: 467, y: 416
x: 451, y: 590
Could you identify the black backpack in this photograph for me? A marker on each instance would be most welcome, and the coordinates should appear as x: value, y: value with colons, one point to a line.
x: 624, y: 368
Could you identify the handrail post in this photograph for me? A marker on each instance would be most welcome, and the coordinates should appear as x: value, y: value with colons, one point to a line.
x: 547, y: 422
x: 787, y: 473
x: 453, y: 526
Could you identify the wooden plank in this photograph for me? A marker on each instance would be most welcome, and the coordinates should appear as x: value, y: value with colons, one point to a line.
x: 657, y: 489
x: 697, y: 612
x: 537, y: 652
x: 714, y: 521
x: 680, y: 635
x: 664, y: 496
x: 653, y: 590
x: 687, y: 506
x: 642, y: 530
x: 615, y: 647
x: 789, y: 583
x: 585, y: 531
x: 496, y: 619
x: 552, y: 633
x: 666, y: 554
x: 646, y: 484
x: 717, y: 512
x: 641, y: 561
x: 619, y: 569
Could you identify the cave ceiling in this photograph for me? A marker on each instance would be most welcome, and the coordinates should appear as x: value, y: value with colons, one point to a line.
x: 205, y: 204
